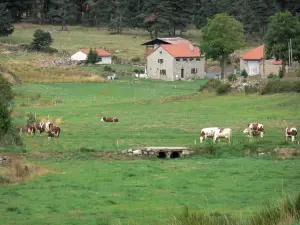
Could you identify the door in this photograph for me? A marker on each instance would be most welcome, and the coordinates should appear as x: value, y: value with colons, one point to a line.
x: 182, y: 73
x: 253, y: 67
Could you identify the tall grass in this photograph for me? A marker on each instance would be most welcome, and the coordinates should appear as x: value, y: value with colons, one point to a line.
x: 283, y: 212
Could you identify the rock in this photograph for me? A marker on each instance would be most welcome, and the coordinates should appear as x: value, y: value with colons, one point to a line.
x: 1, y: 159
x: 129, y: 151
x: 137, y: 152
x: 124, y: 151
x: 5, y: 158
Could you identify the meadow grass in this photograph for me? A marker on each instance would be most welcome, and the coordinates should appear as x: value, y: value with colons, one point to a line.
x: 151, y: 113
x: 86, y: 189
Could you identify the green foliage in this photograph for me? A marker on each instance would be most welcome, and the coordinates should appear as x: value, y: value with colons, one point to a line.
x: 272, y: 75
x: 6, y: 98
x: 136, y: 59
x: 92, y: 57
x: 223, y: 88
x: 281, y: 72
x: 244, y: 73
x: 31, y: 118
x: 281, y: 86
x: 6, y: 27
x: 42, y: 41
x: 210, y: 84
x: 282, y: 27
x: 231, y: 78
x: 221, y: 37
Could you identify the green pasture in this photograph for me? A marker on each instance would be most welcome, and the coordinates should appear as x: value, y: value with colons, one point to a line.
x: 87, y: 190
x: 150, y: 114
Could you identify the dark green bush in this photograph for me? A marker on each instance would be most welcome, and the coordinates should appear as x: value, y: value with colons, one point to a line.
x: 244, y: 73
x: 281, y: 86
x: 272, y: 75
x: 107, y: 68
x: 223, y: 89
x: 231, y: 77
x: 281, y: 73
x: 42, y: 41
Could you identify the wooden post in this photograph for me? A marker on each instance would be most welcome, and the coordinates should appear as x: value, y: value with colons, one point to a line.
x: 117, y: 143
x: 195, y: 142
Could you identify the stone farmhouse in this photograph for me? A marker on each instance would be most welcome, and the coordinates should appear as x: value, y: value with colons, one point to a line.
x: 172, y: 59
x: 104, y: 57
x: 254, y: 63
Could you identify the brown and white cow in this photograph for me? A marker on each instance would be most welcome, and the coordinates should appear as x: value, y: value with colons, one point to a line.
x: 31, y: 129
x: 290, y: 132
x: 208, y: 132
x: 54, y: 131
x: 109, y: 119
x: 254, y: 129
x: 223, y: 133
x: 44, y: 127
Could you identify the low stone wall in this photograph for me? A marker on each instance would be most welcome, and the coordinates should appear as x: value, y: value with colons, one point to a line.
x: 161, y: 152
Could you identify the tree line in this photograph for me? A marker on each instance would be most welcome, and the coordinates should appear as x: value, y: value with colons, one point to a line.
x: 155, y: 16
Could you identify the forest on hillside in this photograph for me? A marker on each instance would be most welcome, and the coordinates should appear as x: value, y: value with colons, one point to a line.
x: 155, y: 16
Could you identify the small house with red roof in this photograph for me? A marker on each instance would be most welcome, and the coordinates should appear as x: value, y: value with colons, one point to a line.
x: 104, y: 57
x: 172, y: 59
x: 255, y: 63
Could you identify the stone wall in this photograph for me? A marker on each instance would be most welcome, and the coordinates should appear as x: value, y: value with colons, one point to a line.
x: 161, y: 152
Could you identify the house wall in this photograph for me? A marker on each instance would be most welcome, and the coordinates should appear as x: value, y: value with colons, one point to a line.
x: 105, y: 60
x: 187, y: 67
x: 247, y: 64
x: 79, y: 56
x: 265, y: 67
x: 153, y: 67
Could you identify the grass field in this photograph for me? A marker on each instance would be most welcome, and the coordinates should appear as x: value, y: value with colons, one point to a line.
x: 90, y: 188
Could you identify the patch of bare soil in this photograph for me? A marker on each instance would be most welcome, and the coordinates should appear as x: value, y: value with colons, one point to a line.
x: 14, y: 169
x: 287, y: 153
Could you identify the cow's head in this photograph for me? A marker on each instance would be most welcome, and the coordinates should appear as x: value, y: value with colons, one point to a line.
x: 246, y: 131
x: 103, y: 118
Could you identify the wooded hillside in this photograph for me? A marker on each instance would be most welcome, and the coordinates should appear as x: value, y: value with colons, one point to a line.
x: 155, y: 16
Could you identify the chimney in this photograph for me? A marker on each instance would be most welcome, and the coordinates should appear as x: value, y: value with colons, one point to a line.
x: 191, y: 47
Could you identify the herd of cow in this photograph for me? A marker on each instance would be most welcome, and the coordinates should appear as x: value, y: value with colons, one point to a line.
x: 216, y: 133
x: 253, y: 129
x: 48, y: 127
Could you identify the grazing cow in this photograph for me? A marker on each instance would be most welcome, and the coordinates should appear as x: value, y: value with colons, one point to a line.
x: 254, y: 129
x: 54, y: 131
x: 223, y: 133
x: 44, y: 127
x: 290, y: 132
x: 208, y: 132
x: 109, y: 119
x: 31, y: 128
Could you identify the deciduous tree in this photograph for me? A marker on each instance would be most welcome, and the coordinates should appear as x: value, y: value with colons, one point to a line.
x: 221, y: 36
x: 6, y: 28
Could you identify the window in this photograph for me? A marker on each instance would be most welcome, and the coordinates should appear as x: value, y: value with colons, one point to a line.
x: 160, y: 52
x: 163, y: 72
x: 177, y: 59
x: 185, y: 59
x: 197, y: 59
x: 99, y: 59
x: 191, y: 59
x: 194, y: 70
x: 160, y: 61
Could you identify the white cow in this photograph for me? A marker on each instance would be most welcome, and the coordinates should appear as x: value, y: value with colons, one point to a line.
x: 208, y: 132
x: 223, y: 133
x: 290, y: 132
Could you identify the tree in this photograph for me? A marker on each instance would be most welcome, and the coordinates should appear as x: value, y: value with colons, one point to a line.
x: 6, y: 97
x: 221, y: 36
x: 6, y: 28
x: 42, y: 40
x: 282, y: 27
x: 92, y: 57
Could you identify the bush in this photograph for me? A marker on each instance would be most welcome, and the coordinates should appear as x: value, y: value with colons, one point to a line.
x: 231, y: 78
x: 281, y: 86
x: 272, y: 75
x: 281, y: 73
x: 244, y: 73
x: 223, y: 88
x: 41, y: 41
x: 138, y: 71
x: 136, y: 59
x: 210, y: 84
x: 107, y: 68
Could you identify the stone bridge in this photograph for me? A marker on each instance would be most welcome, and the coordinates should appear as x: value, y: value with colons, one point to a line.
x: 160, y: 152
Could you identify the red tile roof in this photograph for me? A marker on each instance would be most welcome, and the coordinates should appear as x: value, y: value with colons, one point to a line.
x: 257, y: 53
x: 100, y: 51
x: 182, y: 50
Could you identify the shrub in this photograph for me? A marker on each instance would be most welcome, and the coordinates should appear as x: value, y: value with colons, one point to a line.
x: 272, y: 75
x: 231, y: 77
x: 244, y: 73
x: 223, y: 88
x: 281, y: 73
x: 41, y: 41
x: 107, y: 68
x: 136, y: 59
x: 281, y: 86
x: 31, y: 118
x: 138, y: 71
